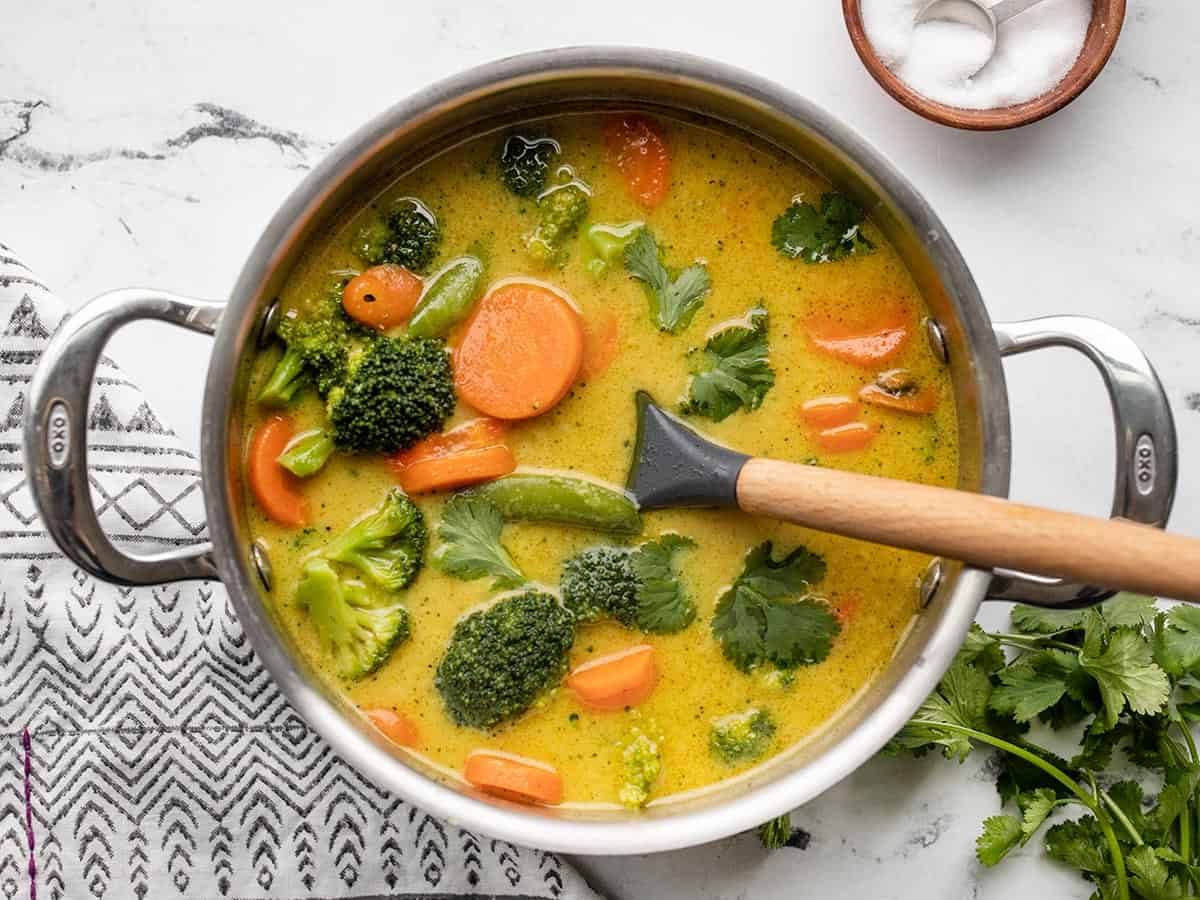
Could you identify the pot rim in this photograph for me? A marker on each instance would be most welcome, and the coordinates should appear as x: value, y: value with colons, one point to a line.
x: 659, y: 829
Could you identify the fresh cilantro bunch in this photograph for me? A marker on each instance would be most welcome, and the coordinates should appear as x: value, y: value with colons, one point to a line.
x: 735, y: 373
x: 1129, y: 676
x: 827, y: 233
x: 673, y: 300
x: 757, y: 623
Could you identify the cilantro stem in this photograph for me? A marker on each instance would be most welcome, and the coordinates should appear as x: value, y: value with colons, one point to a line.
x: 1120, y: 816
x: 1097, y: 810
x: 1029, y: 642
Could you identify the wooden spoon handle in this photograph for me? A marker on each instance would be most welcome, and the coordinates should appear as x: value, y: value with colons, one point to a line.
x: 980, y: 530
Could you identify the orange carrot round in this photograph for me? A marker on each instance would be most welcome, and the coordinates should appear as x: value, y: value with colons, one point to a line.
x: 382, y: 297
x: 601, y: 343
x: 616, y: 681
x: 918, y: 403
x: 275, y: 489
x: 846, y: 438
x: 444, y: 473
x: 520, y: 352
x: 829, y: 411
x: 639, y: 151
x: 514, y: 777
x: 398, y: 727
x: 862, y: 344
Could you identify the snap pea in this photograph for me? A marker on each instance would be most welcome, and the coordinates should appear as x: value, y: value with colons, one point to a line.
x: 448, y: 299
x: 560, y: 498
x: 306, y: 453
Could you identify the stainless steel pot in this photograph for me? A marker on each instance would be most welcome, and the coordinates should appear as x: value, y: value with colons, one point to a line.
x: 487, y: 97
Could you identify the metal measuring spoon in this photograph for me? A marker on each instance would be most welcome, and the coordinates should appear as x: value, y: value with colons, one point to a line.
x: 977, y: 14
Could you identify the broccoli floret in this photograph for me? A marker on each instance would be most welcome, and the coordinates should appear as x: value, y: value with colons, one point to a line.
x: 502, y: 659
x: 525, y: 163
x: 355, y: 634
x: 776, y: 832
x: 561, y: 210
x: 398, y: 391
x: 742, y: 737
x: 600, y: 583
x: 319, y: 338
x: 638, y: 587
x: 408, y: 235
x: 387, y: 545
x: 642, y: 760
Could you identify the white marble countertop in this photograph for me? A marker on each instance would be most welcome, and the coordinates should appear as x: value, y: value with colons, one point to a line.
x: 146, y: 143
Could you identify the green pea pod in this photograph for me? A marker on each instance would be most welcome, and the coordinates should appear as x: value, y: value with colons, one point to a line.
x: 560, y: 498
x: 448, y: 299
x: 306, y: 453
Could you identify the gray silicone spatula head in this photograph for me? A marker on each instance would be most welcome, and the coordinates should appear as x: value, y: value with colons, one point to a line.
x: 673, y: 465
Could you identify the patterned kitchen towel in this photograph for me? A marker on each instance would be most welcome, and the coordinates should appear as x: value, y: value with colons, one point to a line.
x: 145, y: 751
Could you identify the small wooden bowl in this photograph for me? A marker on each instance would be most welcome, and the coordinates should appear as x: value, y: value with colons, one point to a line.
x: 1102, y: 33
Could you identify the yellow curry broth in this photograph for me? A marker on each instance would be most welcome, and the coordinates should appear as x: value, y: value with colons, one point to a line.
x: 723, y: 197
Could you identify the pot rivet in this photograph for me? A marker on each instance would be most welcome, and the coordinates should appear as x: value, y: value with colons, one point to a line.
x: 262, y: 563
x: 268, y: 324
x: 936, y: 336
x: 931, y: 581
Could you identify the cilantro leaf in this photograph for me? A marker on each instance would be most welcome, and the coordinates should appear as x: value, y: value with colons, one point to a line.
x: 663, y: 607
x: 789, y: 576
x: 756, y: 624
x: 1149, y: 876
x: 673, y: 301
x: 1125, y: 673
x: 470, y: 546
x: 735, y: 373
x: 961, y: 699
x: 1173, y: 800
x: 1127, y: 795
x: 982, y: 649
x: 1000, y: 834
x: 798, y: 633
x: 1127, y: 610
x: 1035, y: 620
x: 1080, y: 844
x: 832, y: 232
x: 1177, y: 639
x: 1035, y: 807
x: 1034, y: 684
x: 740, y: 624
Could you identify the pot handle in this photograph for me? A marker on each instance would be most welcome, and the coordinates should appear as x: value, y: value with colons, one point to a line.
x: 56, y: 435
x: 1147, y: 455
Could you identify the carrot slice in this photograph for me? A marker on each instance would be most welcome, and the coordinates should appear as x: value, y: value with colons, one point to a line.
x: 862, y: 345
x: 514, y: 777
x: 469, y: 454
x: 398, y: 727
x: 520, y: 352
x: 275, y: 489
x: 826, y: 412
x: 382, y: 297
x: 443, y: 473
x: 616, y: 681
x: 601, y: 343
x: 917, y: 403
x: 638, y: 149
x: 845, y: 438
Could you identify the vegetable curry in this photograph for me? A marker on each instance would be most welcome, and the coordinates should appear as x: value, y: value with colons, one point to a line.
x: 440, y: 434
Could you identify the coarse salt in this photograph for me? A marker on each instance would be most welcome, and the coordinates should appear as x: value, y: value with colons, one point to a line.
x: 1034, y: 51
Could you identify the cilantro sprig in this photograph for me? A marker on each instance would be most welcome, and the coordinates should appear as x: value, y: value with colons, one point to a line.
x: 469, y: 543
x: 755, y: 621
x: 1129, y: 675
x: 674, y: 300
x: 821, y: 234
x: 734, y: 372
